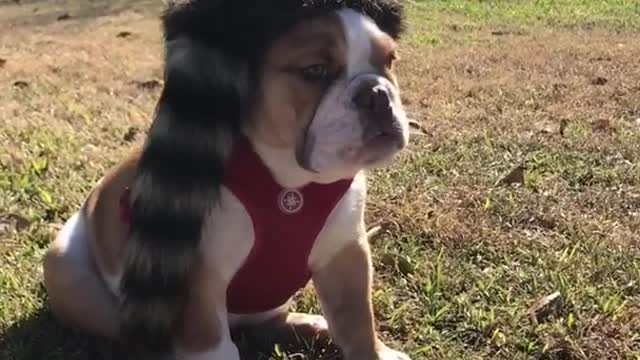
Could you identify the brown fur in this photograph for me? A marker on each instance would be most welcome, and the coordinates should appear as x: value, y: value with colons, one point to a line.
x: 383, y: 56
x: 314, y: 42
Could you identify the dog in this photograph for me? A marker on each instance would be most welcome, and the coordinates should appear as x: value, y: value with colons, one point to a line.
x: 250, y: 184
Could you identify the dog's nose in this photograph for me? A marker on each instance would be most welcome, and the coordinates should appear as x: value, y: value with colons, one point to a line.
x: 374, y: 98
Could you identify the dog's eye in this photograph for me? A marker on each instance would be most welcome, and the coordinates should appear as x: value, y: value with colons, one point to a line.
x: 315, y: 73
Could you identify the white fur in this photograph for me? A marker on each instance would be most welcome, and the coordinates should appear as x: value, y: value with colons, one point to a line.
x: 228, y: 236
x: 336, y: 131
x: 224, y: 350
x: 389, y: 354
x: 227, y: 239
x: 359, y: 32
x: 258, y: 318
x: 72, y: 239
x: 280, y: 161
x: 344, y: 226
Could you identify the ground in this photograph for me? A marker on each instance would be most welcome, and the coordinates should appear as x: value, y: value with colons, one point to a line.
x: 522, y: 178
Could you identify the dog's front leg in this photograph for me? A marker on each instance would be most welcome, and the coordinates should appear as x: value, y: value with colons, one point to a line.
x: 344, y: 288
x: 204, y: 332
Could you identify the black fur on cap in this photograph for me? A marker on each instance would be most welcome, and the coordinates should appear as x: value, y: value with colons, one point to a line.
x: 214, y: 51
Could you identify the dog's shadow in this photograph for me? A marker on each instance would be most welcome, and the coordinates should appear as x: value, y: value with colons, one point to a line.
x: 41, y: 337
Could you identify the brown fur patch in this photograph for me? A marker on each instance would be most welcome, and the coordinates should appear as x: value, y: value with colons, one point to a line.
x: 383, y: 55
x: 288, y: 102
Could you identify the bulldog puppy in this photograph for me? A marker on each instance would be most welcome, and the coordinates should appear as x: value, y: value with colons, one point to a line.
x: 250, y: 184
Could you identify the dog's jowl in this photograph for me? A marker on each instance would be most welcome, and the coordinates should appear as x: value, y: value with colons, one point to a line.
x: 249, y: 185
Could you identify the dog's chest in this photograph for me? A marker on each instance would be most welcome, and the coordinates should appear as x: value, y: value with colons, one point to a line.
x: 262, y: 234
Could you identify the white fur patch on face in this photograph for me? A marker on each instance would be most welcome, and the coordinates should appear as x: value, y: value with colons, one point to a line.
x: 359, y: 32
x: 339, y: 136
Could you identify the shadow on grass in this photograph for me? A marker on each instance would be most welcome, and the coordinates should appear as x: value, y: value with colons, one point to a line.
x: 41, y: 337
x: 260, y: 344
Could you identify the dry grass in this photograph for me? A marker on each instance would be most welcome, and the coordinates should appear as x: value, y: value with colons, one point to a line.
x: 460, y: 258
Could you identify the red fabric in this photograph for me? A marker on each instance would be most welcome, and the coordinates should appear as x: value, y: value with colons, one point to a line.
x: 285, y: 232
x: 277, y: 265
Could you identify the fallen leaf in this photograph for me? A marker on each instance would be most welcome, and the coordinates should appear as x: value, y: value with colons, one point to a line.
x: 546, y: 128
x: 65, y: 16
x: 559, y: 86
x: 602, y: 58
x: 516, y: 176
x: 599, y: 81
x: 20, y: 84
x: 417, y: 126
x: 148, y: 84
x: 548, y: 306
x: 563, y: 126
x: 124, y: 34
x: 506, y: 32
x: 601, y: 125
x: 131, y: 134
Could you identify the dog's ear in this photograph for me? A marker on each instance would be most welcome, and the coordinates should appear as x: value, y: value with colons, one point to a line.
x: 178, y: 180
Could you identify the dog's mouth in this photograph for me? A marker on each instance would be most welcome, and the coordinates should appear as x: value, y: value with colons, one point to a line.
x: 381, y: 144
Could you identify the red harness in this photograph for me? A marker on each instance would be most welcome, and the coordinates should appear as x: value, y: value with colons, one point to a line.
x: 286, y: 223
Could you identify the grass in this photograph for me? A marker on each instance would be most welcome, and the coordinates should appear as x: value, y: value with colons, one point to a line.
x: 442, y: 22
x: 545, y: 90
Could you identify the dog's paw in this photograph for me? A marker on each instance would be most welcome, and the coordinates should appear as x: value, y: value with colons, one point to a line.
x: 389, y: 354
x: 307, y: 326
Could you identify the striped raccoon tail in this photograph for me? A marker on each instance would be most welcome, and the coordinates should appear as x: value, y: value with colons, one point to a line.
x: 178, y: 180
